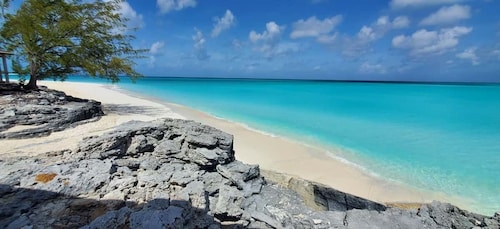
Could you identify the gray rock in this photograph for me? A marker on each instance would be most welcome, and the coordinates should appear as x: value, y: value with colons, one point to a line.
x: 71, y: 178
x: 112, y: 219
x: 40, y: 109
x: 212, y: 181
x: 141, y: 144
x: 229, y: 203
x: 181, y: 174
x: 237, y: 171
x: 336, y: 200
x: 158, y: 219
x: 167, y: 147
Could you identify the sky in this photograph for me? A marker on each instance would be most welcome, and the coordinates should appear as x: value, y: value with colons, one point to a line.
x: 415, y: 40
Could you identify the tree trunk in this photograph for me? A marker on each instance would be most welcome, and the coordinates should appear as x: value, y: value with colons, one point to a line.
x: 32, y: 83
x: 33, y: 75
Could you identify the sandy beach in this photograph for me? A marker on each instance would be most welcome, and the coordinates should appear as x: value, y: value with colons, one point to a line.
x: 271, y: 153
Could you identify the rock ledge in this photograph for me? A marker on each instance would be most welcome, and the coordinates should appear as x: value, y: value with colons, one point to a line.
x: 41, y: 112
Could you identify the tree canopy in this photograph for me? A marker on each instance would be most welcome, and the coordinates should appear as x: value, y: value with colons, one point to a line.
x: 56, y: 38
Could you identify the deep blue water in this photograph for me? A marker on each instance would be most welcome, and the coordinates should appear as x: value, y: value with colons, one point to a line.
x: 443, y: 138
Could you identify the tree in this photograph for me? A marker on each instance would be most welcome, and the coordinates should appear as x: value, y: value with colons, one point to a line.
x: 4, y: 4
x: 57, y: 38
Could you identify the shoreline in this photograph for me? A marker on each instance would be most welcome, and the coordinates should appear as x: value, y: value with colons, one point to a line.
x: 349, y: 177
x: 275, y: 153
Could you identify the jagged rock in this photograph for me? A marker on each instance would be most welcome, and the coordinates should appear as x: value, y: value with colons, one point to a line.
x: 112, y: 219
x: 229, y: 204
x: 45, y: 110
x: 181, y: 174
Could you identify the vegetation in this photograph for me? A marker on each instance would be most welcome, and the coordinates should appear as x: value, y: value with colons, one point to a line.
x: 57, y: 38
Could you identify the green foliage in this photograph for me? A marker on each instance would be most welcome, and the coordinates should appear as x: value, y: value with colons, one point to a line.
x: 56, y: 38
x: 4, y: 4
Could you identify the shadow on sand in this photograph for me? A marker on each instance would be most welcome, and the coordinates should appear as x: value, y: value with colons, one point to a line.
x: 125, y: 109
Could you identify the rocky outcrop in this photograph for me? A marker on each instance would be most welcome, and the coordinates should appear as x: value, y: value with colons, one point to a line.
x: 41, y: 112
x: 181, y: 174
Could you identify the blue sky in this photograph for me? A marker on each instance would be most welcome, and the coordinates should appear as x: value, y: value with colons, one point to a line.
x: 428, y: 40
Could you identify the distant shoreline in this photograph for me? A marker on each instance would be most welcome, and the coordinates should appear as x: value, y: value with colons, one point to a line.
x: 328, y: 80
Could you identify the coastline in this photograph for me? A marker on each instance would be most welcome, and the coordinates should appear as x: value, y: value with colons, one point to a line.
x: 270, y: 152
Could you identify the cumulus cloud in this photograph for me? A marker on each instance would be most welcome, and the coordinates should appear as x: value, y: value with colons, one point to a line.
x: 313, y: 27
x: 167, y: 6
x: 359, y: 44
x: 398, y: 4
x: 447, y: 15
x: 424, y: 42
x: 135, y: 20
x: 157, y: 47
x: 268, y: 42
x: 381, y: 27
x: 223, y: 23
x: 369, y: 68
x: 272, y: 33
x: 366, y: 34
x: 400, y: 22
x: 469, y: 54
x: 199, y: 45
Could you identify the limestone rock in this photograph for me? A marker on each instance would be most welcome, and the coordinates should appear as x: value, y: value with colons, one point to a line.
x: 181, y: 174
x: 45, y: 111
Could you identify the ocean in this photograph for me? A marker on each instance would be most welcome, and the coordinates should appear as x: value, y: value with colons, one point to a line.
x: 438, y: 137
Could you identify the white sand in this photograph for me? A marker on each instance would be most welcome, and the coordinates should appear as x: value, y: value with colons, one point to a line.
x: 271, y: 153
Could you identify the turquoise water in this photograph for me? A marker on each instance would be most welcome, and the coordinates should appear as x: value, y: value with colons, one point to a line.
x: 444, y: 138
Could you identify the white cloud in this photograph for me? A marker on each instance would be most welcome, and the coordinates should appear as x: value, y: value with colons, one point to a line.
x: 381, y: 27
x: 223, y: 23
x: 447, y: 15
x: 327, y: 39
x: 360, y: 44
x: 469, y: 54
x: 398, y: 4
x: 372, y: 68
x: 135, y: 19
x: 366, y: 34
x: 171, y: 5
x: 400, y: 22
x: 199, y: 45
x: 312, y: 27
x: 156, y: 47
x: 272, y: 32
x: 268, y: 42
x: 424, y: 42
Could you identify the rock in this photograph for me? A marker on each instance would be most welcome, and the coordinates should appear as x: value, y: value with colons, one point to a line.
x: 229, y: 204
x: 448, y: 216
x: 266, y: 219
x: 112, y: 219
x: 181, y: 174
x: 141, y: 144
x: 41, y: 110
x: 212, y: 181
x: 157, y: 219
x: 84, y: 177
